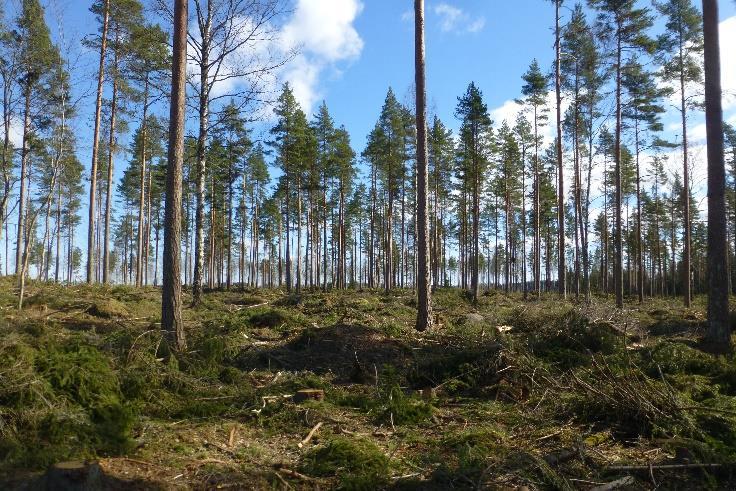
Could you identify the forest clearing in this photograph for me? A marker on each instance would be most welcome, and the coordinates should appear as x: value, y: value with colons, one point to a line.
x: 501, y: 395
x: 519, y: 285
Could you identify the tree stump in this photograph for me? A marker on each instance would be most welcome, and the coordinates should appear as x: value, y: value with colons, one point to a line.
x: 309, y: 394
x: 74, y: 476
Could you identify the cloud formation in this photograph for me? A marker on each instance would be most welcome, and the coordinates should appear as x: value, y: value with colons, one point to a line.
x: 324, y: 32
x: 455, y: 19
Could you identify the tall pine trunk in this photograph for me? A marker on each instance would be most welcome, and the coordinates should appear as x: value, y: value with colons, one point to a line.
x: 171, y: 320
x: 91, y: 260
x: 21, y: 237
x: 686, y: 283
x: 561, y: 271
x: 142, y: 195
x: 618, y: 278
x: 110, y: 167
x: 719, y: 330
x: 424, y: 304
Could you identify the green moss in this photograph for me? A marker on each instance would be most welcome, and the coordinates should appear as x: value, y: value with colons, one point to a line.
x: 358, y: 464
x: 270, y: 318
x: 673, y: 358
x: 399, y: 409
x: 108, y: 309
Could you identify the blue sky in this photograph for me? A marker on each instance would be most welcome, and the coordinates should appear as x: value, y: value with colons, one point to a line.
x: 353, y: 50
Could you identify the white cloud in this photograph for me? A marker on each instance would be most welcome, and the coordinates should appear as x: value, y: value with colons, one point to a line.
x: 324, y: 28
x: 16, y: 132
x: 727, y: 34
x: 454, y: 19
x: 510, y: 109
x: 320, y: 32
x: 407, y: 15
x: 325, y: 33
x: 477, y: 25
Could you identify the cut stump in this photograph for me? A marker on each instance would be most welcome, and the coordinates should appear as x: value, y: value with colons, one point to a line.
x: 74, y: 476
x: 309, y: 394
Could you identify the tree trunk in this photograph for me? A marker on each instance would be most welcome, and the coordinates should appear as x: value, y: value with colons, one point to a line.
x: 561, y: 271
x: 639, y: 251
x: 719, y: 330
x: 424, y: 304
x: 201, y: 158
x: 686, y: 284
x: 95, y: 148
x: 618, y: 279
x: 142, y: 196
x: 23, y: 165
x: 110, y: 167
x: 171, y: 320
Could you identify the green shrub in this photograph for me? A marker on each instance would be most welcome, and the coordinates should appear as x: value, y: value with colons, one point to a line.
x: 84, y: 375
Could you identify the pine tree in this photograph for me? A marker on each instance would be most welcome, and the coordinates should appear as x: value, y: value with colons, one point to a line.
x: 523, y: 133
x: 102, y: 11
x: 36, y: 57
x: 147, y: 67
x: 286, y: 143
x: 9, y: 66
x: 345, y: 172
x: 124, y: 16
x: 625, y: 25
x: 561, y: 269
x: 681, y: 46
x: 424, y: 299
x: 233, y: 134
x: 441, y: 160
x: 171, y: 321
x: 643, y: 109
x: 719, y: 329
x: 386, y: 150
x: 475, y: 135
x: 255, y: 180
x: 324, y: 129
x: 535, y: 93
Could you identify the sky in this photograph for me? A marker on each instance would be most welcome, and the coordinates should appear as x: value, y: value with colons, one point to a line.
x: 351, y: 51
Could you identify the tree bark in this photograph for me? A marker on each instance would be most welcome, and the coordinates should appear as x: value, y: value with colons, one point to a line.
x: 110, y: 159
x: 142, y: 196
x: 561, y: 271
x: 22, y: 197
x: 618, y: 278
x: 424, y: 304
x: 201, y: 156
x: 171, y: 320
x: 95, y: 148
x: 719, y: 330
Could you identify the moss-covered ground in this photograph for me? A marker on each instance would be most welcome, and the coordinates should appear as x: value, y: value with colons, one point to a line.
x: 504, y: 394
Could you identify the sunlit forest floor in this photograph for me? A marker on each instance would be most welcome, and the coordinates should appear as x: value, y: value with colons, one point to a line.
x: 504, y: 394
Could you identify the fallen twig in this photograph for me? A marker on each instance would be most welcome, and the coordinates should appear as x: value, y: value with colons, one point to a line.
x: 618, y: 483
x: 661, y: 467
x: 256, y: 305
x: 295, y: 474
x: 310, y: 435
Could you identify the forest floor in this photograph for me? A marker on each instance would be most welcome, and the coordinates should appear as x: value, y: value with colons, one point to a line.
x: 504, y: 394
